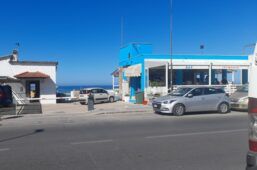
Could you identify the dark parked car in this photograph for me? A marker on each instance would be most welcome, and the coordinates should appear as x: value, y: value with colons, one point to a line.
x: 5, y: 96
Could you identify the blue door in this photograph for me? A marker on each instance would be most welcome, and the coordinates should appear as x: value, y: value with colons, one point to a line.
x: 135, y: 86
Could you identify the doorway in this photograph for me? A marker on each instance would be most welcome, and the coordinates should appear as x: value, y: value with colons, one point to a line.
x: 33, y: 90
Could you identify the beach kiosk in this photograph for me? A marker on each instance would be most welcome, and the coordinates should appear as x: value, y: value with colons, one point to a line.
x: 143, y: 71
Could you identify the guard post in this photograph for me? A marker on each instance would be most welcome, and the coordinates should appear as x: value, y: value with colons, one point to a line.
x: 90, y: 102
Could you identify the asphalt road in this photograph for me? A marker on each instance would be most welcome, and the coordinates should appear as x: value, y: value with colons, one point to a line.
x: 125, y: 142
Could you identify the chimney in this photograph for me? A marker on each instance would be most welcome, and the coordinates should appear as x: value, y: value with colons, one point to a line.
x: 15, y: 55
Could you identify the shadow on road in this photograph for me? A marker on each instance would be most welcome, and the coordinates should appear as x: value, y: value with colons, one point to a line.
x: 12, y: 117
x: 22, y: 136
x: 189, y: 113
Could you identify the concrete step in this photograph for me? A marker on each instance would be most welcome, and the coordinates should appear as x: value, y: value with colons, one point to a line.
x: 8, y: 110
x: 32, y: 108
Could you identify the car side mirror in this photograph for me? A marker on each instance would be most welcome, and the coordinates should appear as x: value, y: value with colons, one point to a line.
x: 190, y: 95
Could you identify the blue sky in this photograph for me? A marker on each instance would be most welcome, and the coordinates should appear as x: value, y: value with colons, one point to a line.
x: 84, y: 36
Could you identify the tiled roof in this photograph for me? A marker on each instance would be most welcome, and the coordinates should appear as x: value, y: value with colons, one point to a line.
x: 36, y: 74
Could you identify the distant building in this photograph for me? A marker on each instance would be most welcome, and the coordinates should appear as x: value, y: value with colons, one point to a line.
x: 29, y: 79
x: 141, y: 70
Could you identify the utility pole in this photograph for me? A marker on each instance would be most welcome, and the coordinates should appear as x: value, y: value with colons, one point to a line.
x: 171, y: 64
x: 122, y: 32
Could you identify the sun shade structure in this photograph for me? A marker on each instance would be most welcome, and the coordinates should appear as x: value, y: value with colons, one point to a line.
x: 133, y: 71
x: 116, y: 73
x: 36, y: 74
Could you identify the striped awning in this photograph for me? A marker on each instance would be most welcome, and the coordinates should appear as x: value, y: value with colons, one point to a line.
x: 133, y: 71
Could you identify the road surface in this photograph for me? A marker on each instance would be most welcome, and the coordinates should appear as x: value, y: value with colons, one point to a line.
x: 133, y: 141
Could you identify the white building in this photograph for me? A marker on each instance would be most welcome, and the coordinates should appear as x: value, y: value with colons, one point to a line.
x: 30, y: 80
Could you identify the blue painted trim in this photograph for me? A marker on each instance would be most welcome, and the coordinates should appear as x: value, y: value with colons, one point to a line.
x: 142, y: 88
x: 197, y: 57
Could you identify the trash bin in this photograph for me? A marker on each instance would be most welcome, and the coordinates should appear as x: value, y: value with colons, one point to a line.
x: 90, y: 102
x: 139, y: 97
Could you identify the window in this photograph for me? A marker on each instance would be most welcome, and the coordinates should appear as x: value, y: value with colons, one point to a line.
x: 197, y: 92
x: 208, y: 91
x: 180, y: 91
x: 220, y: 91
x: 94, y: 91
x: 101, y: 91
x: 84, y: 91
x: 104, y: 91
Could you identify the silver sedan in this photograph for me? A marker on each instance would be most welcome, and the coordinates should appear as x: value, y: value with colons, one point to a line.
x: 193, y: 99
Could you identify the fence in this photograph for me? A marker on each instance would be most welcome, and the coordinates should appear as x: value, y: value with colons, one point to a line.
x: 161, y: 91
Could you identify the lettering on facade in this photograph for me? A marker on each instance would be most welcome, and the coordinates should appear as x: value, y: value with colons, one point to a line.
x: 230, y: 67
x: 189, y: 67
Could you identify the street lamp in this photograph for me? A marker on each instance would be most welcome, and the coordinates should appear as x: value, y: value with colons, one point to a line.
x: 171, y: 64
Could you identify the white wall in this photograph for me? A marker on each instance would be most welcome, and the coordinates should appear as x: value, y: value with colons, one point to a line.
x: 47, y: 86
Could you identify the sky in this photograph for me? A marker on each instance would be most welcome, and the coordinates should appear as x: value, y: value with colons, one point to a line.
x: 84, y: 35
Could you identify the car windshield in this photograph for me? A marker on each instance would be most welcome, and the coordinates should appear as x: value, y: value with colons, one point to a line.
x: 243, y: 89
x: 180, y: 91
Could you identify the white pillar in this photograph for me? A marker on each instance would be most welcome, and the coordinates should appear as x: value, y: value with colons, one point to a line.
x: 167, y: 77
x: 233, y: 76
x: 241, y: 76
x: 113, y: 82
x: 148, y: 77
x: 210, y: 71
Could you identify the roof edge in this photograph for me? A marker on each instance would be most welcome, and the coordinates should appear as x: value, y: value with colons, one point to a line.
x: 34, y: 62
x: 6, y: 57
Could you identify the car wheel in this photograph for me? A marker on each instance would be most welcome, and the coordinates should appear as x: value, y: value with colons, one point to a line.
x: 223, y: 108
x: 111, y: 99
x: 83, y: 103
x: 178, y: 110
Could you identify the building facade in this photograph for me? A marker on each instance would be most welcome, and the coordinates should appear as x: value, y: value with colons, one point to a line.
x: 143, y: 71
x: 31, y: 81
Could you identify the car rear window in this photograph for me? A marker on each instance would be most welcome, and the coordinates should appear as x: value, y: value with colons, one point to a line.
x: 8, y: 91
x: 243, y: 89
x: 1, y: 90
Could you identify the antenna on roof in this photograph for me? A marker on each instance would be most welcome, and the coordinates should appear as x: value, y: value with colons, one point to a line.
x: 17, y: 45
x: 202, y: 46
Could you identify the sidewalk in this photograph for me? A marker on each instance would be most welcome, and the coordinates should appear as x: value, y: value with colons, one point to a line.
x: 71, y: 112
x: 102, y: 108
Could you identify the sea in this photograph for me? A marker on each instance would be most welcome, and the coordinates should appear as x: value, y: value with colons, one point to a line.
x: 68, y: 89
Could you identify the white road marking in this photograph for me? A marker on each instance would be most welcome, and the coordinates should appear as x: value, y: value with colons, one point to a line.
x: 92, y: 142
x: 197, y: 133
x: 4, y: 149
